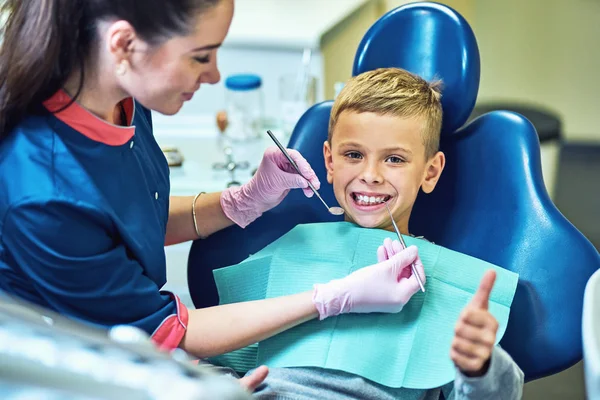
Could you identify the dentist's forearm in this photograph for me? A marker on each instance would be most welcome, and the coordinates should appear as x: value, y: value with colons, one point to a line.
x: 209, y: 217
x: 220, y: 329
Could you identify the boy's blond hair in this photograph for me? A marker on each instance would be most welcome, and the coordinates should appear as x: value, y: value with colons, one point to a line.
x: 396, y: 92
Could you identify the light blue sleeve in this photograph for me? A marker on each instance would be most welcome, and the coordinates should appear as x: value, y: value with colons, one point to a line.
x: 503, y: 381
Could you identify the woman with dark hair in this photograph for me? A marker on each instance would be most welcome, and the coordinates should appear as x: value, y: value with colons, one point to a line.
x: 85, y: 209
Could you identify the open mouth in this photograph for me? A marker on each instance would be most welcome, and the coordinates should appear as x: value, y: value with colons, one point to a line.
x: 370, y: 200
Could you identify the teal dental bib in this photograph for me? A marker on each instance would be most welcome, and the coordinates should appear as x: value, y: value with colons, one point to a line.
x: 409, y: 349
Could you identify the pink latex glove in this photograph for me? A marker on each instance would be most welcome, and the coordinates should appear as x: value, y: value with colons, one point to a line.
x: 268, y: 187
x: 387, y: 251
x: 376, y: 288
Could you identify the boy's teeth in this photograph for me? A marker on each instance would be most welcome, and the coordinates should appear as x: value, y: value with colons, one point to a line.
x: 370, y: 199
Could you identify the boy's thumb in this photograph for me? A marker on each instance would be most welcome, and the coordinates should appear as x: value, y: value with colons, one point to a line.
x: 481, y: 298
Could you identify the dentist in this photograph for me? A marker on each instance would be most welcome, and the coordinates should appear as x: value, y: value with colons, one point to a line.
x: 85, y: 209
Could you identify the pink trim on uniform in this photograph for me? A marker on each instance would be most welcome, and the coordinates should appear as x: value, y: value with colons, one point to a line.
x: 170, y: 332
x: 90, y: 125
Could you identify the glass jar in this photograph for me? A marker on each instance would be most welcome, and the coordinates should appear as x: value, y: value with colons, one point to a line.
x: 244, y: 104
x: 297, y: 93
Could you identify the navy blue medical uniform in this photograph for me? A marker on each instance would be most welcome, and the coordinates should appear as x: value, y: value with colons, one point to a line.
x: 83, y: 215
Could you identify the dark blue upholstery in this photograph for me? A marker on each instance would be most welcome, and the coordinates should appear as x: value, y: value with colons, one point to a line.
x: 432, y: 41
x: 490, y: 203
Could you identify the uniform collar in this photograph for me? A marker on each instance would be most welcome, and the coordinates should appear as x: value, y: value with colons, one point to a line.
x: 90, y: 125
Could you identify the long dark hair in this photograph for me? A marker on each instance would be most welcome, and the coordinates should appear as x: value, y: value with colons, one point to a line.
x: 44, y: 41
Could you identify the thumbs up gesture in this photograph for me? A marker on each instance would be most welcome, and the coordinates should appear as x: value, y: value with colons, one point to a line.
x: 475, y: 332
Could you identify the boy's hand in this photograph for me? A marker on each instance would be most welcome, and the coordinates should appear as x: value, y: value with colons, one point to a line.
x: 251, y: 382
x: 475, y: 332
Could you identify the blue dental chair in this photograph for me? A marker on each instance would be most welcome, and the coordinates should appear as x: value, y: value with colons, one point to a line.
x: 490, y: 202
x: 591, y: 337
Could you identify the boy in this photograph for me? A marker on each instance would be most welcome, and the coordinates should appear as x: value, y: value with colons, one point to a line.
x: 382, y: 147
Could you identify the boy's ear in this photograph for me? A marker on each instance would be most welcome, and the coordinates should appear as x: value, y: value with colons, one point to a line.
x: 433, y: 171
x: 328, y: 161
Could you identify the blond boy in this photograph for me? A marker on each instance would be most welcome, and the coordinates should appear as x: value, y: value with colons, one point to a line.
x: 383, y: 147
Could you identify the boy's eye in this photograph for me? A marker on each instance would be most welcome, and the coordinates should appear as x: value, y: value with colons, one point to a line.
x: 202, y: 60
x: 395, y: 159
x: 354, y: 155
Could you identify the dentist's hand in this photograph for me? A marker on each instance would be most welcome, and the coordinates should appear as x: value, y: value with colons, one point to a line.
x: 376, y: 288
x: 388, y: 249
x: 268, y: 187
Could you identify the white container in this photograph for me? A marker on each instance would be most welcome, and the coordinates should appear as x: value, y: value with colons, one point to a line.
x: 245, y: 106
x: 296, y: 95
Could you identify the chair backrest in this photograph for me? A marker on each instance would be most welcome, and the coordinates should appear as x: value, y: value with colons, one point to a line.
x: 591, y: 337
x: 490, y: 202
x: 430, y: 40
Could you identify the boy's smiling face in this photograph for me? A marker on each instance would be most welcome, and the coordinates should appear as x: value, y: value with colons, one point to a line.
x: 374, y: 159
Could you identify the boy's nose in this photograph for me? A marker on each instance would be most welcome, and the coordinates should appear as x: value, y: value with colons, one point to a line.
x: 371, y: 175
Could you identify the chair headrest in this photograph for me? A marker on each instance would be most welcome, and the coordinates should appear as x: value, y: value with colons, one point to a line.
x: 434, y: 42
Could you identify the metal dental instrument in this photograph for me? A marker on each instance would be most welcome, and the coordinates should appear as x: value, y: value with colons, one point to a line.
x: 332, y: 210
x: 414, y: 269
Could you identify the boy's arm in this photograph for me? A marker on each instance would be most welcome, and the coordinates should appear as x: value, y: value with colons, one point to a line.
x: 502, y: 381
